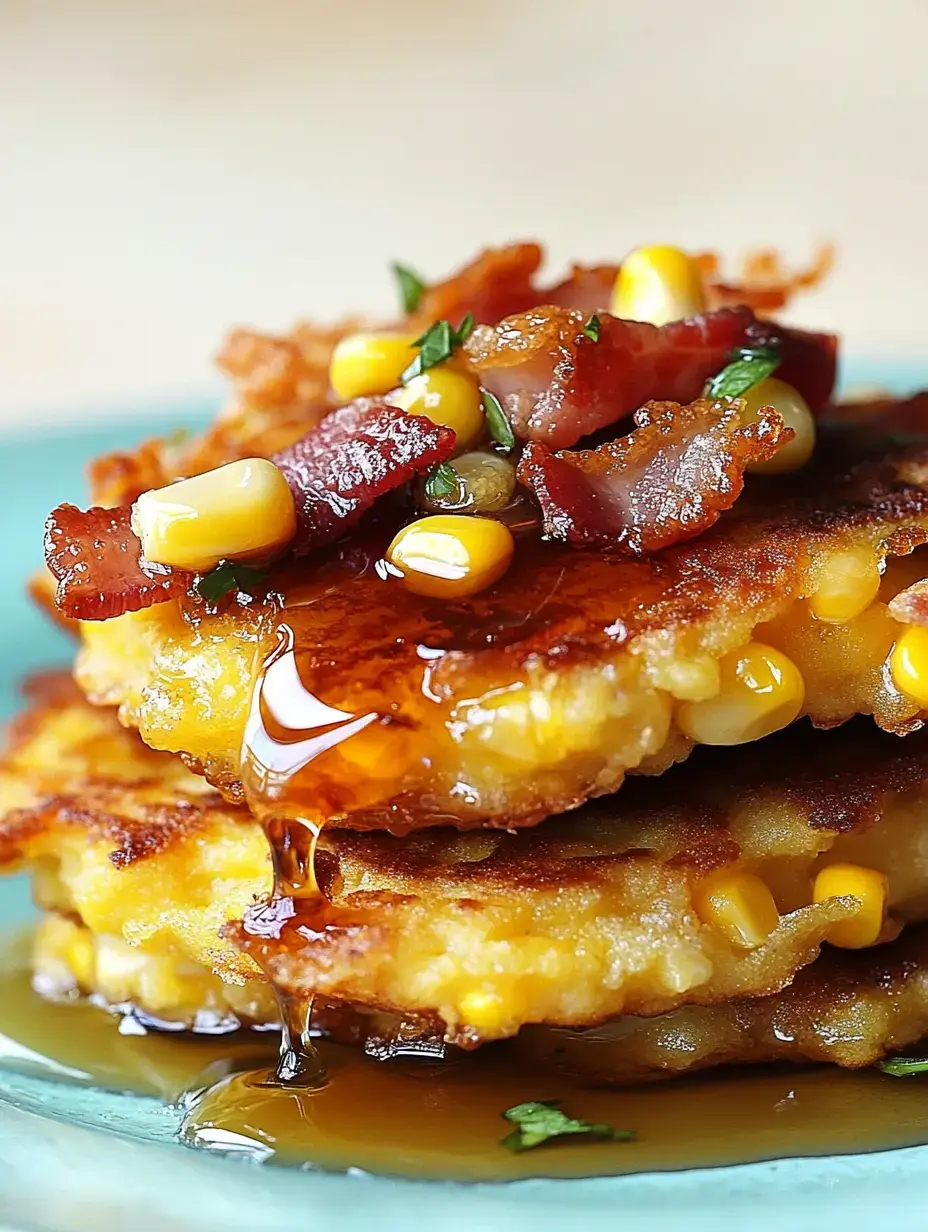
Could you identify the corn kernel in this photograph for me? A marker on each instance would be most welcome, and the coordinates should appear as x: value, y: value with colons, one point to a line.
x: 241, y: 511
x: 847, y: 585
x: 909, y: 664
x: 366, y: 364
x: 81, y: 959
x: 484, y: 1011
x: 794, y: 411
x: 866, y: 884
x: 658, y: 284
x: 761, y: 691
x: 449, y: 398
x: 741, y: 906
x: 449, y: 556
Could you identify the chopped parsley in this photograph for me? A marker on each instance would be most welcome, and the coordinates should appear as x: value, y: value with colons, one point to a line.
x: 591, y: 329
x: 411, y: 286
x: 539, y: 1122
x: 438, y: 343
x: 498, y: 425
x: 228, y: 575
x: 442, y: 480
x: 748, y: 366
x: 904, y: 1067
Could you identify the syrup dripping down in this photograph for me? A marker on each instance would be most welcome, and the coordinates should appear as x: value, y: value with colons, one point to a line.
x: 287, y: 728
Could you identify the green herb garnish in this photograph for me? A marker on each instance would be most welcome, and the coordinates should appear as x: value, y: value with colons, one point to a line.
x: 539, y: 1122
x: 442, y: 480
x: 904, y: 1067
x: 591, y: 329
x: 411, y: 286
x: 498, y: 425
x: 748, y: 366
x: 228, y: 575
x: 438, y: 343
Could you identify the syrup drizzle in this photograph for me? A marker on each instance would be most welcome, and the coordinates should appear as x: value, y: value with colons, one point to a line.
x: 426, y: 1111
x: 287, y: 728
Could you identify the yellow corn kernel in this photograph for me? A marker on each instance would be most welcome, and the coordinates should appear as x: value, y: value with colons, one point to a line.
x: 847, y: 585
x: 484, y: 1011
x: 449, y: 556
x: 81, y: 958
x: 241, y: 511
x: 365, y: 364
x: 793, y: 409
x: 909, y: 664
x: 741, y: 906
x: 761, y: 691
x: 449, y: 398
x: 658, y: 284
x: 866, y: 884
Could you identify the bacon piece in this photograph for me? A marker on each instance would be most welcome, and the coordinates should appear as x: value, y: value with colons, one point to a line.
x: 666, y: 481
x: 97, y: 559
x: 338, y: 470
x: 499, y: 283
x: 587, y: 289
x: 494, y: 285
x: 557, y: 386
x: 335, y: 473
x: 808, y: 361
x: 765, y: 284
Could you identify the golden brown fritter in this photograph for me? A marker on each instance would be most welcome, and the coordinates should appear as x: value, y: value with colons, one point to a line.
x: 525, y: 700
x: 848, y: 1008
x: 574, y: 922
x: 161, y: 985
x: 124, y: 839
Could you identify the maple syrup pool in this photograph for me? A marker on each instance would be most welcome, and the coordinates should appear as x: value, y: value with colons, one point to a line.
x: 442, y: 1119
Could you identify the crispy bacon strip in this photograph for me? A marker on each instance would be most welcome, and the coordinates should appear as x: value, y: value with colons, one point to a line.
x: 586, y: 289
x: 335, y: 473
x: 666, y: 481
x: 765, y: 283
x: 557, y: 386
x: 97, y: 560
x: 338, y: 470
x: 502, y: 281
x: 495, y: 284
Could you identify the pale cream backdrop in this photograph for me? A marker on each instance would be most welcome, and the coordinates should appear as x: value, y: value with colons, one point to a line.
x: 169, y: 167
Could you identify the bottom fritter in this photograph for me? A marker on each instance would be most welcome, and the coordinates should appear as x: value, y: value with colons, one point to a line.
x: 163, y: 989
x: 696, y: 889
x: 846, y: 1009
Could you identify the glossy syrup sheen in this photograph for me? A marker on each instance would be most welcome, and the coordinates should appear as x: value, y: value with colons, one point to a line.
x: 359, y: 677
x: 442, y: 1120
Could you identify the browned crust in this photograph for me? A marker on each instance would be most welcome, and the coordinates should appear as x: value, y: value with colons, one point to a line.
x: 842, y: 787
x: 839, y: 780
x: 136, y: 832
x: 565, y: 605
x: 630, y: 853
x: 849, y: 1008
x: 141, y: 812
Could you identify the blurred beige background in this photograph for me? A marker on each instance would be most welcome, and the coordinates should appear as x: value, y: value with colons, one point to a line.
x: 169, y: 168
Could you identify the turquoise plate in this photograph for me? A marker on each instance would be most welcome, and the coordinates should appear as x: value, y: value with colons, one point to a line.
x: 80, y: 1159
